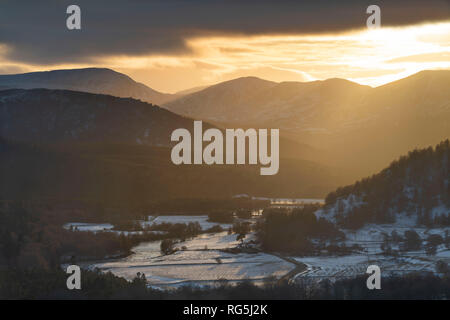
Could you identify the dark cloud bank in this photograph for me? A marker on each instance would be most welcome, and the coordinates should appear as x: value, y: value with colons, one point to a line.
x: 35, y: 31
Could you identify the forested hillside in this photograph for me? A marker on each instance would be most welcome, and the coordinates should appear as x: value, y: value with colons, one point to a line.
x: 61, y: 116
x: 134, y: 175
x: 412, y: 190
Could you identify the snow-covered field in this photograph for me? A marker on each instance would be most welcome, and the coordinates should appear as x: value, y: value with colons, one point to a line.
x: 356, y: 265
x: 202, y: 220
x: 291, y: 201
x: 220, y: 240
x: 370, y: 238
x: 101, y: 227
x: 203, y: 267
x: 199, y: 261
x: 93, y: 227
x: 195, y: 265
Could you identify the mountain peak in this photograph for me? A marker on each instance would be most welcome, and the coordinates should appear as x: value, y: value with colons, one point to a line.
x: 421, y: 78
x: 339, y: 81
x: 92, y: 80
x: 52, y: 73
x: 250, y: 80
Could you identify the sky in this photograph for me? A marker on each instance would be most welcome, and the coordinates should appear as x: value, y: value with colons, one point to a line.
x: 176, y: 45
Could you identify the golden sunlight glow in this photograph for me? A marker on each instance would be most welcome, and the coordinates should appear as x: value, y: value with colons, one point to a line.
x: 371, y: 57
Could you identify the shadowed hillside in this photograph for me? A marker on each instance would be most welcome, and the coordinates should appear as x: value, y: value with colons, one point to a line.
x: 61, y: 116
x: 414, y: 189
x: 136, y: 175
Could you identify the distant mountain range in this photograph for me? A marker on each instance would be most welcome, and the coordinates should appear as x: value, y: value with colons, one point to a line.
x: 316, y: 107
x: 359, y: 127
x: 93, y: 80
x: 336, y: 122
x: 251, y: 101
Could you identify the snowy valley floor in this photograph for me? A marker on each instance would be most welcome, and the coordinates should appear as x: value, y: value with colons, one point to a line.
x: 203, y: 263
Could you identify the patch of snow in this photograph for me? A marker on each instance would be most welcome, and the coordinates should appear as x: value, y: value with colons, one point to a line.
x: 202, y: 220
x: 196, y: 266
x: 440, y: 210
x: 93, y: 227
